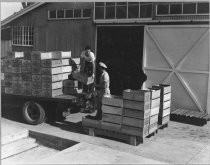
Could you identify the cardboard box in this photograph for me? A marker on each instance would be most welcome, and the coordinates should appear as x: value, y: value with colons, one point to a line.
x: 66, y: 54
x: 66, y: 69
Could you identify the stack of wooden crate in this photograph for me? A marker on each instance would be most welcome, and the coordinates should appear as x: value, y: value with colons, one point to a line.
x: 112, y: 109
x: 136, y: 112
x: 165, y: 103
x: 155, y: 106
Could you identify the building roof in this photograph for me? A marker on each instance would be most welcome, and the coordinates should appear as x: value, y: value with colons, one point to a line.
x: 20, y: 13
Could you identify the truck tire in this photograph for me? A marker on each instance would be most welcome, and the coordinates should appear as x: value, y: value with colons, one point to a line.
x: 33, y: 113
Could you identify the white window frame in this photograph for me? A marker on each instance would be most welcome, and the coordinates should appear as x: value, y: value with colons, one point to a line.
x: 20, y: 37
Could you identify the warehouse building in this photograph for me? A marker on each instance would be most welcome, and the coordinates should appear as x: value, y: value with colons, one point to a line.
x: 169, y: 41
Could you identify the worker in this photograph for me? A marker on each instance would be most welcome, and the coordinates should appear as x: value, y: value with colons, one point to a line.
x: 103, y: 89
x: 87, y: 63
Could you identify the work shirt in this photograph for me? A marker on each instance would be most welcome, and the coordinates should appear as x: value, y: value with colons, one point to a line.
x: 104, y: 83
x: 90, y: 58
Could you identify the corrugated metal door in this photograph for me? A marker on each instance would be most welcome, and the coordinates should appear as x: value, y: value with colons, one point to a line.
x: 179, y: 55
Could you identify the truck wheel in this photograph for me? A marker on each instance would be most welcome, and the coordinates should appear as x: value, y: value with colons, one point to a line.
x: 33, y: 113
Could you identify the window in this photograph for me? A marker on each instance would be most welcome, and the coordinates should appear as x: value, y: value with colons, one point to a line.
x: 110, y: 10
x: 69, y: 13
x: 145, y: 10
x: 60, y: 13
x: 77, y: 13
x: 203, y: 8
x: 133, y: 9
x: 52, y: 14
x: 163, y: 9
x: 22, y: 35
x: 189, y: 8
x: 86, y: 13
x: 175, y: 8
x: 121, y: 10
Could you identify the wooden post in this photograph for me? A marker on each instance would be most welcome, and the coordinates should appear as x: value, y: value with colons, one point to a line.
x: 133, y: 140
x: 91, y: 132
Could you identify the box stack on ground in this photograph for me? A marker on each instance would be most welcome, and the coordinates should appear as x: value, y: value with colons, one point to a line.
x: 155, y: 106
x: 112, y: 110
x: 36, y: 73
x: 165, y: 103
x: 136, y: 112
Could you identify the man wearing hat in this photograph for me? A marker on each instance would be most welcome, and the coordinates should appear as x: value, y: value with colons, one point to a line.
x: 103, y: 87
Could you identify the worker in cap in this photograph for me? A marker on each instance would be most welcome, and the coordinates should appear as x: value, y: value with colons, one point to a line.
x: 103, y: 89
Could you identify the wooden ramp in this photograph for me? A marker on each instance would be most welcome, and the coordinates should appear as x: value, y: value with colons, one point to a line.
x: 190, y: 117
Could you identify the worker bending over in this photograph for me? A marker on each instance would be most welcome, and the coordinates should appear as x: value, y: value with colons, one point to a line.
x: 88, y: 66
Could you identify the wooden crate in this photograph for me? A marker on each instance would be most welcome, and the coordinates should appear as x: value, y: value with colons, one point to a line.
x: 136, y: 113
x: 138, y: 105
x: 91, y: 123
x: 163, y: 120
x: 27, y: 55
x: 65, y: 62
x: 26, y: 77
x: 136, y: 95
x: 36, y: 92
x: 8, y: 76
x: 153, y: 127
x: 16, y: 69
x: 65, y: 76
x: 36, y: 85
x: 26, y: 63
x: 66, y: 69
x: 51, y: 71
x: 71, y: 91
x: 135, y: 122
x: 70, y: 83
x: 17, y: 63
x: 51, y: 86
x: 136, y: 131
x: 36, y: 63
x: 8, y: 90
x: 36, y: 77
x: 17, y: 87
x: 112, y: 110
x: 48, y: 63
x: 17, y: 77
x: 51, y: 93
x: 26, y: 69
x: 36, y: 70
x: 52, y: 78
x: 66, y: 54
x: 8, y: 83
x: 110, y: 126
x: 111, y: 118
x: 26, y: 88
x: 113, y: 101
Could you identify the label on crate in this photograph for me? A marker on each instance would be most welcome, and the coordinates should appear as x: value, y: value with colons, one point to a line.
x: 48, y: 63
x: 18, y: 54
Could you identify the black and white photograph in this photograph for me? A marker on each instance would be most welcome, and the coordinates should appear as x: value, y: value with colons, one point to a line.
x: 105, y: 82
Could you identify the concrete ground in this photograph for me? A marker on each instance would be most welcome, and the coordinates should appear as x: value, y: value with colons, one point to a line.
x: 177, y: 144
